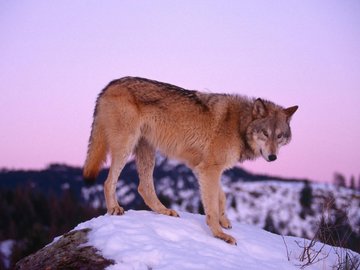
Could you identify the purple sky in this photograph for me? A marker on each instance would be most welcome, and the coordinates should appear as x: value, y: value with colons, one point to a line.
x: 55, y: 57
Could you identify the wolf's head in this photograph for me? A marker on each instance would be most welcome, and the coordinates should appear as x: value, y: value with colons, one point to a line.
x: 269, y: 129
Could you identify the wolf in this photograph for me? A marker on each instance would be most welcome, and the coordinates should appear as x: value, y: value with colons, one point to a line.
x: 208, y: 132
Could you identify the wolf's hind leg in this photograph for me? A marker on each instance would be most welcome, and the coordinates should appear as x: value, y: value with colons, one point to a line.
x: 224, y: 221
x: 145, y: 161
x: 112, y: 205
x: 120, y: 150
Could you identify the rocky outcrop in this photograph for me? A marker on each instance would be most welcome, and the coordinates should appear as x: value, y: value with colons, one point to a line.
x: 68, y: 252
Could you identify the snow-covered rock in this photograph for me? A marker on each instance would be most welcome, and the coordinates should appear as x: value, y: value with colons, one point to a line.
x: 146, y: 240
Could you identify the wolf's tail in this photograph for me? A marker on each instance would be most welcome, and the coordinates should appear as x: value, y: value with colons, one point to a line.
x: 96, y: 153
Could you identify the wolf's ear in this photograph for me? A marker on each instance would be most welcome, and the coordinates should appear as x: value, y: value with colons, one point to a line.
x: 259, y: 109
x: 290, y: 111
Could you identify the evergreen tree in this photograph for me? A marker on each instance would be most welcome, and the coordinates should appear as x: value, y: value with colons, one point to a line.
x: 339, y: 180
x: 269, y: 224
x: 352, y: 182
x: 338, y: 232
x: 306, y: 199
x: 33, y: 219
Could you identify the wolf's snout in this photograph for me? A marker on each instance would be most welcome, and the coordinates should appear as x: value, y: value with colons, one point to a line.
x: 272, y: 157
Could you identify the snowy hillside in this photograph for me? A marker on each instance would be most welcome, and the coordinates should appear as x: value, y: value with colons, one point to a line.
x: 253, y: 203
x: 145, y: 240
x: 274, y: 205
x: 54, y: 200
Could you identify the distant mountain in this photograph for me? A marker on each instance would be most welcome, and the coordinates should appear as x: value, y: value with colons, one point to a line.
x: 57, y: 177
x: 287, y: 206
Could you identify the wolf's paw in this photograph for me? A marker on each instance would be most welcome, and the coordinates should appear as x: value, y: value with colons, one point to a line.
x: 169, y: 212
x: 225, y: 222
x: 227, y: 238
x: 116, y: 210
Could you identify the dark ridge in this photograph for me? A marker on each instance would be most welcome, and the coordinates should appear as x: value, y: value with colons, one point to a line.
x: 55, y: 176
x: 89, y: 181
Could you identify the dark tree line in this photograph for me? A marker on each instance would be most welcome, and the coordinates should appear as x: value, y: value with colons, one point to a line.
x: 336, y: 231
x: 341, y: 181
x: 33, y: 218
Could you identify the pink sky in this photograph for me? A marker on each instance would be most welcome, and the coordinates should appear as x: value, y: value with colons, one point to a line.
x: 55, y: 57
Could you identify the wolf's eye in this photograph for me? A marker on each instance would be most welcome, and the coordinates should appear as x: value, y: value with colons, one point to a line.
x: 266, y: 134
x: 280, y: 136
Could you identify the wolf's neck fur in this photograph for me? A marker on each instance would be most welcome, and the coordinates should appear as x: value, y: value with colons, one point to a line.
x: 250, y: 151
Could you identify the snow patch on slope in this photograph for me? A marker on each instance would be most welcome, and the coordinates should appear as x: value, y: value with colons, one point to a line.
x: 146, y: 240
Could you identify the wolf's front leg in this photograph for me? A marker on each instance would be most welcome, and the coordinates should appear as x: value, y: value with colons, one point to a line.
x: 224, y: 221
x: 209, y: 179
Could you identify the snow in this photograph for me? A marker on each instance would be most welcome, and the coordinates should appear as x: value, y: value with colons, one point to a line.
x: 5, y: 250
x: 255, y: 200
x: 146, y: 240
x: 65, y: 186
